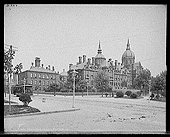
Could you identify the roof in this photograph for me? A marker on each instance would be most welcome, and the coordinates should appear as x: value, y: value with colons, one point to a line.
x: 100, y: 55
x: 40, y: 69
x: 64, y: 73
x: 80, y: 66
x: 137, y: 64
x: 128, y: 53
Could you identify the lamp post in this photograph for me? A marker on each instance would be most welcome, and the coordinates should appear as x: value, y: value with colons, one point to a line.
x: 74, y: 75
x: 24, y: 84
x: 149, y: 89
x: 87, y: 87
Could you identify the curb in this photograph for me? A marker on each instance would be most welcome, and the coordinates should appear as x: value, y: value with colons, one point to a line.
x: 40, y: 113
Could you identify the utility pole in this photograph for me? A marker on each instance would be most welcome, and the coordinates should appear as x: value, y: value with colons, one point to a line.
x: 55, y: 84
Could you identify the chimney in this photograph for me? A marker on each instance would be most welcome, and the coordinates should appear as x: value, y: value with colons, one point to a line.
x: 115, y: 64
x: 89, y: 60
x: 93, y: 60
x: 80, y: 59
x: 42, y: 65
x: 111, y: 62
x: 53, y: 68
x: 118, y: 65
x: 84, y: 58
x: 32, y: 65
x: 70, y: 66
x: 49, y: 67
x: 37, y: 62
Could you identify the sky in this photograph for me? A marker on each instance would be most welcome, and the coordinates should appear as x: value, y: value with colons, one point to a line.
x: 59, y: 33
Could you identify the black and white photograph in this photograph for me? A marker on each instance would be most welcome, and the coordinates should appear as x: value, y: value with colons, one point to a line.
x: 85, y: 68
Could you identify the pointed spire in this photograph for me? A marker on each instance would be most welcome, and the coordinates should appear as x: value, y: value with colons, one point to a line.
x: 99, y: 49
x: 128, y: 45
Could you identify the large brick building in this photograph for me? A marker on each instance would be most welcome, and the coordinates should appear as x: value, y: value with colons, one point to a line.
x: 117, y: 72
x: 38, y: 76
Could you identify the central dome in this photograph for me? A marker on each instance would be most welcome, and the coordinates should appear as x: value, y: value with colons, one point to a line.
x: 128, y: 53
x: 99, y: 56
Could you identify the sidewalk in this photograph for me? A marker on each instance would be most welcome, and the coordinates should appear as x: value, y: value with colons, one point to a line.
x: 45, y: 103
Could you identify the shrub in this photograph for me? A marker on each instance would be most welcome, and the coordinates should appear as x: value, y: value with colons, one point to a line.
x: 133, y: 95
x: 128, y: 93
x: 93, y: 90
x: 139, y: 93
x: 25, y: 98
x: 152, y: 96
x: 63, y: 90
x: 119, y: 94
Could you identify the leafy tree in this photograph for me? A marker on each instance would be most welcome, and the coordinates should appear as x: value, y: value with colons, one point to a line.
x: 18, y: 68
x: 159, y: 83
x: 142, y: 80
x: 124, y: 83
x: 25, y: 98
x: 101, y: 81
x: 69, y: 83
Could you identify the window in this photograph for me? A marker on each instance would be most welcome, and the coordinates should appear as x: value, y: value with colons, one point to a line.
x: 53, y: 76
x: 31, y: 75
x: 35, y: 82
x: 47, y: 82
x: 39, y: 75
x: 44, y: 82
x: 35, y: 75
x: 43, y: 76
x: 31, y: 82
x: 39, y: 82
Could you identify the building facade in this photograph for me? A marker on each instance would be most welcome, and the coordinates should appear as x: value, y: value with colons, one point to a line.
x: 117, y: 72
x: 38, y: 76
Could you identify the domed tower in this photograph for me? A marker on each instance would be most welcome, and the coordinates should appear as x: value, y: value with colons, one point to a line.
x: 128, y: 57
x: 100, y: 60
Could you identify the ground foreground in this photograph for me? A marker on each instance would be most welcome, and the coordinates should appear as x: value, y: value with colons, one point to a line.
x: 95, y: 115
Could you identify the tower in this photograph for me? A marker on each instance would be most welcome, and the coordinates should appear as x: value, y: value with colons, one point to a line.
x: 128, y: 57
x: 99, y: 58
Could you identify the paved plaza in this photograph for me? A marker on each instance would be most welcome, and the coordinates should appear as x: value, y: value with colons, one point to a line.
x: 91, y: 114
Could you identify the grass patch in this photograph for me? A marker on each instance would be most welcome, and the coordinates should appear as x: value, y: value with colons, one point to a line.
x: 162, y: 99
x: 6, y: 101
x: 19, y: 109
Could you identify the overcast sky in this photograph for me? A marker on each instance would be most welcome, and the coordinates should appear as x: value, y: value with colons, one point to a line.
x: 59, y: 34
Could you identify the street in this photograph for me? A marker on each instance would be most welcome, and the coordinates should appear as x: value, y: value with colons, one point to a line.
x: 96, y: 114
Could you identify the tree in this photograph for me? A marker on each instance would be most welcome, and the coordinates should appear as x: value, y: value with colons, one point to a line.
x: 159, y: 83
x: 82, y: 86
x: 18, y: 68
x: 124, y: 83
x: 101, y: 81
x: 25, y: 98
x: 142, y: 80
x: 69, y: 83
